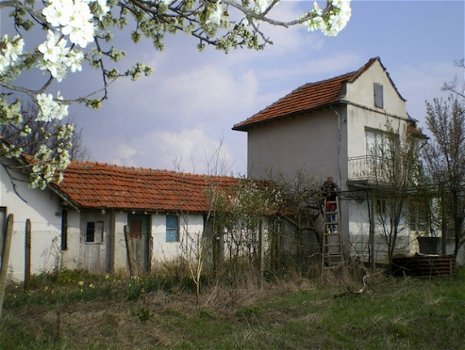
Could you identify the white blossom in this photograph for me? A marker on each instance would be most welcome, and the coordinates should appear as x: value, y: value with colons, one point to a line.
x: 10, y: 50
x: 57, y: 57
x: 261, y: 5
x: 215, y: 17
x: 51, y: 108
x: 54, y: 49
x: 103, y: 8
x: 74, y: 61
x: 74, y: 18
x: 337, y: 20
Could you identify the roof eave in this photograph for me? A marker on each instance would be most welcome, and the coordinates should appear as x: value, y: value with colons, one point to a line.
x: 247, y: 126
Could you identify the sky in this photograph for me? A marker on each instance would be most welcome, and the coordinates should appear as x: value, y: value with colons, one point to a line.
x: 182, y: 114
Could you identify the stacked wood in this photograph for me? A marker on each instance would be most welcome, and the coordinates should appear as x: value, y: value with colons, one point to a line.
x: 424, y: 265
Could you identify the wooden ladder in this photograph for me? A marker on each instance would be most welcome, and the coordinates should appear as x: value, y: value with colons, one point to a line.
x: 332, y: 254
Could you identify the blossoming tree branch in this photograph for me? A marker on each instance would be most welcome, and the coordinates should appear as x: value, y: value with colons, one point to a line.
x: 79, y: 32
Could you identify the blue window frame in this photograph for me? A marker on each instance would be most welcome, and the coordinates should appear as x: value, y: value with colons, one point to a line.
x: 172, y: 228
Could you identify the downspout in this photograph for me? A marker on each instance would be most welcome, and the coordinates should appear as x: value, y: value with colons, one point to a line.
x: 339, y: 175
x: 339, y: 141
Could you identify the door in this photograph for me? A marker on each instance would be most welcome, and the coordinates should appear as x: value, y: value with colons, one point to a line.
x: 139, y: 234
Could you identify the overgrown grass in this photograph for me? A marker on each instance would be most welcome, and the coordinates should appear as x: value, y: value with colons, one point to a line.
x: 60, y: 312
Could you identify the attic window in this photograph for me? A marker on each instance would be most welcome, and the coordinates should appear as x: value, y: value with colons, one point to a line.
x: 378, y: 93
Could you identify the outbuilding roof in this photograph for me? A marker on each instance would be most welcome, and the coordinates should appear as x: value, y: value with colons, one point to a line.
x: 100, y: 186
x: 308, y: 97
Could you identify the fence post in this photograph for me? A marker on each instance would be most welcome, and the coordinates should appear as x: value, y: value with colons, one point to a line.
x: 128, y: 242
x: 261, y: 253
x: 27, y: 257
x: 5, y: 258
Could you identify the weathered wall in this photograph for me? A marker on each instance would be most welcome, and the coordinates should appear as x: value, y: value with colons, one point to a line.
x: 306, y: 142
x: 44, y: 211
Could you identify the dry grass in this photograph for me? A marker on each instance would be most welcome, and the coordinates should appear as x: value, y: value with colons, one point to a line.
x: 291, y: 312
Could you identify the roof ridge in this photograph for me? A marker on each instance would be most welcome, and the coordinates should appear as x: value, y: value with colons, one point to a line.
x: 110, y: 166
x: 306, y: 85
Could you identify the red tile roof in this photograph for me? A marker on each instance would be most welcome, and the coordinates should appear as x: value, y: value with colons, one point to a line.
x: 306, y: 98
x: 97, y: 185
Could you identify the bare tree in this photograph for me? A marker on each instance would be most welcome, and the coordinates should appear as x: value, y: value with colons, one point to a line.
x: 445, y: 157
x: 395, y: 167
x: 454, y: 86
x: 299, y: 205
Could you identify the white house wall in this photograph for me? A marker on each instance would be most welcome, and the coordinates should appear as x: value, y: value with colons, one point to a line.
x: 361, y: 91
x: 44, y: 211
x: 71, y: 257
x: 190, y: 227
x: 120, y: 261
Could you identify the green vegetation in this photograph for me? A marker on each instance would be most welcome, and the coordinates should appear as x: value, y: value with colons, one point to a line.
x: 77, y: 310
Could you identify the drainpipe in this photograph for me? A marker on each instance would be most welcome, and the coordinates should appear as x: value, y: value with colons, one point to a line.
x: 339, y: 175
x: 339, y: 137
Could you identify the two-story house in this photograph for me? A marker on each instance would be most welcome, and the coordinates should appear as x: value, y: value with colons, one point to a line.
x: 331, y: 128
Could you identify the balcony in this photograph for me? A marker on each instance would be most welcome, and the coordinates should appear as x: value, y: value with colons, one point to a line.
x: 367, y: 169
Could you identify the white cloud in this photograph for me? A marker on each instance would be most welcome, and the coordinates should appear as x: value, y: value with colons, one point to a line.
x: 190, y: 150
x: 200, y: 94
x: 123, y: 154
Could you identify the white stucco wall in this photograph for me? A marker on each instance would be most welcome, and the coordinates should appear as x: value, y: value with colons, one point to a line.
x: 361, y: 91
x: 71, y: 258
x: 191, y: 225
x: 44, y: 211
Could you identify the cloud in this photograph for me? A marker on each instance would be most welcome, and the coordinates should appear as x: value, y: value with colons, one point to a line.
x: 190, y: 150
x: 190, y: 97
x: 123, y: 154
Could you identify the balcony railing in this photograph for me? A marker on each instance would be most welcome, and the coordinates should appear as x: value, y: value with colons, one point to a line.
x: 365, y: 168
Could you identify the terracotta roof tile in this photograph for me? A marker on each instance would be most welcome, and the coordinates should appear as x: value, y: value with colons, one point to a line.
x: 305, y: 98
x: 97, y: 185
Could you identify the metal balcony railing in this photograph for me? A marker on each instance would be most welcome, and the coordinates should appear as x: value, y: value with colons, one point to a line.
x: 364, y: 168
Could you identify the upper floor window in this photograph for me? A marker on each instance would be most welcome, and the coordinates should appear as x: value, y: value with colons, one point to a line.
x: 172, y: 228
x: 378, y: 94
x: 377, y: 143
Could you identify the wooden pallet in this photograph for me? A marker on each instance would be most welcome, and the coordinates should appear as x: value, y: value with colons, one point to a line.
x: 424, y: 265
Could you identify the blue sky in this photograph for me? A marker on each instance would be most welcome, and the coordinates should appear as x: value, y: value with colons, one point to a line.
x: 177, y: 117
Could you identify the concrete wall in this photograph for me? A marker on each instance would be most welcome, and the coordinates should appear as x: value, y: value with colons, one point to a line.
x: 44, y: 211
x: 361, y: 92
x: 190, y: 227
x: 363, y: 114
x: 97, y: 257
x: 306, y: 142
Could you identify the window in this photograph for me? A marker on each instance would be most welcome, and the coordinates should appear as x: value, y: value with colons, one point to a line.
x: 94, y: 232
x: 377, y: 143
x: 378, y: 93
x: 417, y: 218
x: 172, y: 228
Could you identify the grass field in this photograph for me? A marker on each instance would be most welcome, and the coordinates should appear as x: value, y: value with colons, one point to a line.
x: 80, y: 311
